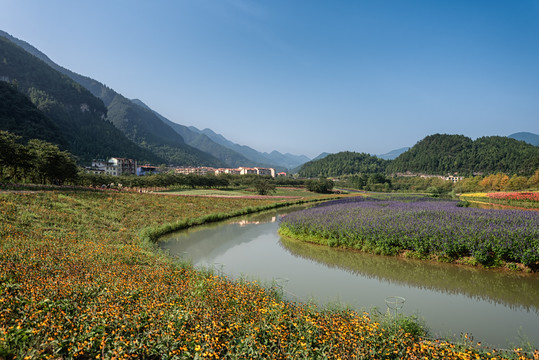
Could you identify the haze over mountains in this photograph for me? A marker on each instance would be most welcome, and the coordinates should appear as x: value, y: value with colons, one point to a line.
x: 175, y: 143
x: 93, y: 121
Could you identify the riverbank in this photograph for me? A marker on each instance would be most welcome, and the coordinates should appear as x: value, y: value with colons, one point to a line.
x: 424, y: 228
x: 81, y: 278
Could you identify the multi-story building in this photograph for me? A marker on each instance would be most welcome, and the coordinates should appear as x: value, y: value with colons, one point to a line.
x: 195, y: 170
x: 247, y: 170
x: 114, y: 166
x: 265, y: 171
x: 124, y: 166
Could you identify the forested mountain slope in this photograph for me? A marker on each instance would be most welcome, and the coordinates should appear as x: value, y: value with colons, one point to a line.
x: 202, y: 142
x: 343, y: 163
x: 79, y: 118
x: 20, y: 116
x: 138, y: 124
x: 142, y: 126
x: 217, y: 153
x: 448, y: 154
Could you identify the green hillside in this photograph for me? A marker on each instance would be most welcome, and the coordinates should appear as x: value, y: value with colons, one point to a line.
x: 78, y: 117
x: 202, y: 142
x: 343, y: 163
x: 443, y: 154
x: 19, y: 116
x: 142, y: 126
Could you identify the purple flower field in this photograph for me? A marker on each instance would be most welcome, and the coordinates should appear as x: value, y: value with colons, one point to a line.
x: 423, y: 225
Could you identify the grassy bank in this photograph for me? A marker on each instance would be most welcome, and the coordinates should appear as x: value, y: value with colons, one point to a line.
x: 80, y: 278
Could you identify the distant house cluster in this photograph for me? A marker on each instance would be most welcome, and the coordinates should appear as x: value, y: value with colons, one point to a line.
x: 236, y: 171
x: 116, y: 166
x: 453, y: 178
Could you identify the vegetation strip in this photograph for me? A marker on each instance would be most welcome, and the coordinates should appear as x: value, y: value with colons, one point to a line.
x: 154, y: 233
x: 424, y: 226
x: 77, y: 282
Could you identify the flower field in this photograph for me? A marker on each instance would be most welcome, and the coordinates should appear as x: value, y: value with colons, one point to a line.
x: 525, y: 200
x: 519, y: 196
x: 423, y: 226
x: 77, y: 281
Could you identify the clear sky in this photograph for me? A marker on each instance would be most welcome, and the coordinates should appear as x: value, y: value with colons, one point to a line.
x: 305, y: 76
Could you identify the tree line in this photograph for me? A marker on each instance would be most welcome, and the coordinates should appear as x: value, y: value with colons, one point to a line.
x: 437, y: 186
x: 38, y: 161
x: 437, y: 154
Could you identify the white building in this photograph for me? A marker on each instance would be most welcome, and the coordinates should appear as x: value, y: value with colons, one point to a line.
x: 115, y: 166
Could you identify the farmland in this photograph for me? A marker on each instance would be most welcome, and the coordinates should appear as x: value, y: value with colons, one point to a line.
x: 422, y: 227
x: 79, y: 279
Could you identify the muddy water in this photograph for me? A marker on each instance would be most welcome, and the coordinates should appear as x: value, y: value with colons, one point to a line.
x: 495, y: 307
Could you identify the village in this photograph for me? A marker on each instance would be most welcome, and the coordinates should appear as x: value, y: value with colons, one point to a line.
x: 117, y: 166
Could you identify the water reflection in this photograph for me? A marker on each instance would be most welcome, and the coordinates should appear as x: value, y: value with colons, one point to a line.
x: 492, y: 305
x: 511, y: 289
x: 206, y: 242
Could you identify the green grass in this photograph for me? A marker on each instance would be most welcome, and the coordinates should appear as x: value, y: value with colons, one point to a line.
x: 80, y: 278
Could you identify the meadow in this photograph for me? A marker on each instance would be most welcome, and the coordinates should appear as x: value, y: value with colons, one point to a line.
x: 422, y: 227
x: 81, y: 278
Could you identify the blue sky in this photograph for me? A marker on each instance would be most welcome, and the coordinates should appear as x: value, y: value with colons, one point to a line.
x: 305, y: 76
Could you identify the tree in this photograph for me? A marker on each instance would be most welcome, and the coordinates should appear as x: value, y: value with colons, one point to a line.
x: 50, y: 164
x: 13, y: 156
x: 263, y: 186
x: 322, y: 185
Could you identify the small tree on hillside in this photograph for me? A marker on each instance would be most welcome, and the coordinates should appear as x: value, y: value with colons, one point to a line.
x: 263, y: 186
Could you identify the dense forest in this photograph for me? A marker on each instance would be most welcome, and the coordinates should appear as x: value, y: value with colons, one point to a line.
x: 37, y: 161
x: 343, y: 163
x: 77, y: 118
x: 20, y: 116
x: 448, y: 154
x: 436, y: 155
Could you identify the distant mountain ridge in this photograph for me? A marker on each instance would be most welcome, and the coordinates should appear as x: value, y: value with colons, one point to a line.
x: 142, y: 127
x: 530, y: 138
x: 275, y: 157
x: 393, y: 154
x: 74, y: 109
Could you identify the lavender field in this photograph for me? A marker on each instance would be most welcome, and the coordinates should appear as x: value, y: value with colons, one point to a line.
x: 423, y: 226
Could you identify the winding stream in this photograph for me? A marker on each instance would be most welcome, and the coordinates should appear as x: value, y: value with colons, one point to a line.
x: 495, y: 307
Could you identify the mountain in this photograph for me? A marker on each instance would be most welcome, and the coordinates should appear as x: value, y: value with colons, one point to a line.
x: 144, y: 127
x: 275, y: 158
x: 95, y: 87
x: 288, y: 160
x: 447, y: 154
x: 321, y: 156
x: 20, y: 116
x: 202, y: 142
x: 527, y: 137
x: 140, y: 125
x: 218, y: 153
x: 343, y: 163
x: 393, y: 153
x: 77, y: 118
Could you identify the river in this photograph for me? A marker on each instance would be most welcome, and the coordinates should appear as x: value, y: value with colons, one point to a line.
x: 498, y: 308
